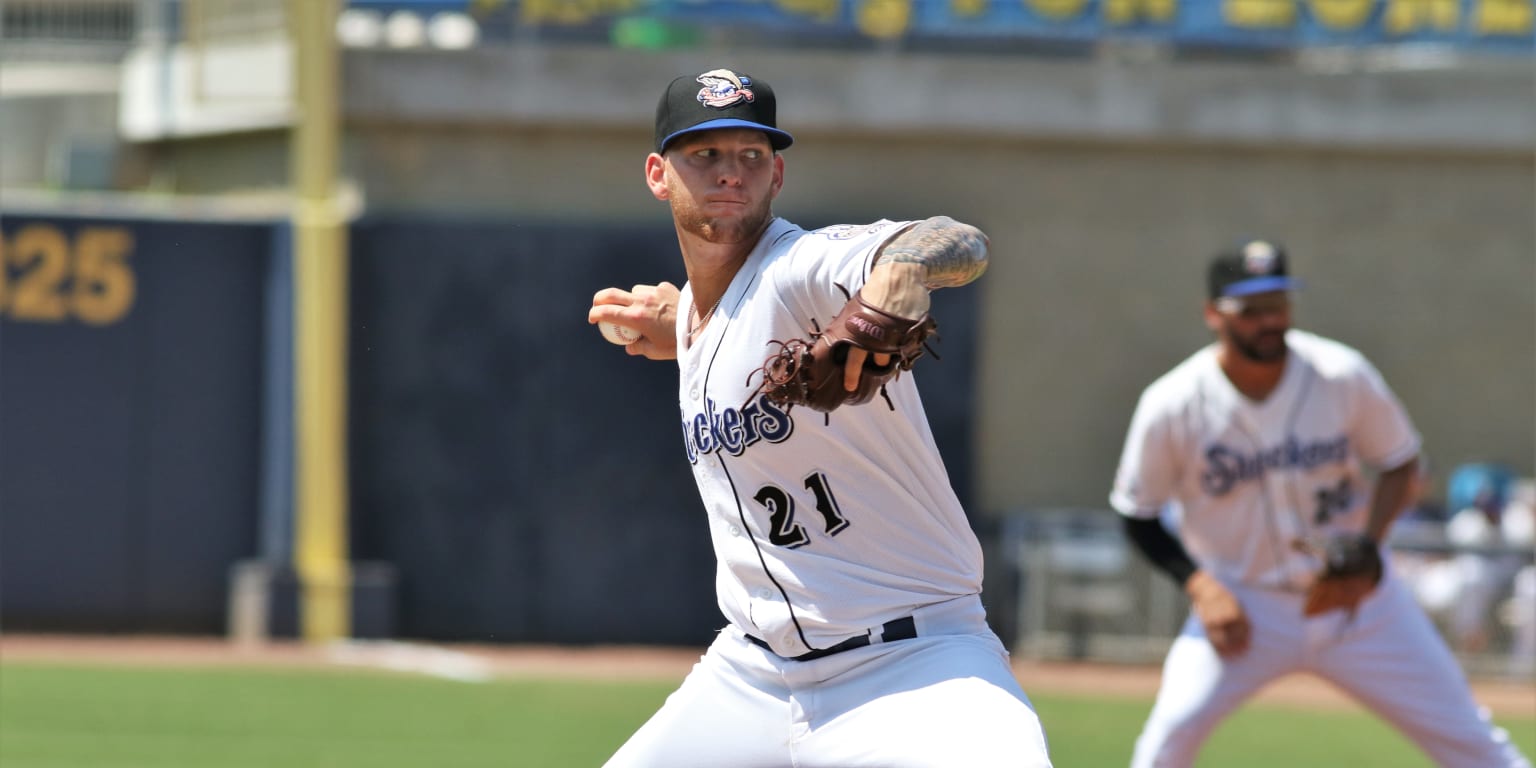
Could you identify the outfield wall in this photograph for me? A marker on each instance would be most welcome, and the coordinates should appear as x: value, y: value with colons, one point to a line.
x: 130, y: 413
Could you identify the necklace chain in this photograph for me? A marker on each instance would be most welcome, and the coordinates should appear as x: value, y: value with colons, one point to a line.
x: 692, y: 329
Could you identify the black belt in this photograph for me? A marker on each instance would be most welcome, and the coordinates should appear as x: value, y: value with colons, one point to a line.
x: 896, y: 629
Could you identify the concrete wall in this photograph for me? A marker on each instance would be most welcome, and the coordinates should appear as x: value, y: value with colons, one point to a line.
x: 1407, y: 198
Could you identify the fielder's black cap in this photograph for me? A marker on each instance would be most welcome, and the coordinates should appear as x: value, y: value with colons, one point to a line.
x: 718, y: 98
x: 1253, y: 266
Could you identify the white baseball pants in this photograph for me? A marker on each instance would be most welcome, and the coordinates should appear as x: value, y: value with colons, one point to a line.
x: 1388, y: 656
x: 943, y: 699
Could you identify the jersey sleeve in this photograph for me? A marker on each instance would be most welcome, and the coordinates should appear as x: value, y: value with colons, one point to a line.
x: 1148, y: 475
x: 831, y: 259
x: 1383, y: 433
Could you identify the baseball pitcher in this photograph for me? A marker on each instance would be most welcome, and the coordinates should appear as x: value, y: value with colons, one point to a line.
x: 848, y: 574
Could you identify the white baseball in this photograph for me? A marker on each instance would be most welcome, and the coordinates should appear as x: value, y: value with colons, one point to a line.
x: 618, y: 334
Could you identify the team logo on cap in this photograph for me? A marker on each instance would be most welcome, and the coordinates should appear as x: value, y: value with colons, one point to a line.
x: 1259, y: 258
x: 723, y: 88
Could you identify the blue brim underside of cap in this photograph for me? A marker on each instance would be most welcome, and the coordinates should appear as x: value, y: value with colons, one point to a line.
x: 1262, y: 285
x: 778, y: 138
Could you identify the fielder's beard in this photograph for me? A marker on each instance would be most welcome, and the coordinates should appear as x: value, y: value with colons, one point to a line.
x: 1266, y: 346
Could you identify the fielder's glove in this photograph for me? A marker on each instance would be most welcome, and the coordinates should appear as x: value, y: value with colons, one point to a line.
x: 1351, y: 569
x: 809, y: 371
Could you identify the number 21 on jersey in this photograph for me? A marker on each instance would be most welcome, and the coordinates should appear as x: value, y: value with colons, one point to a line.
x: 783, y: 531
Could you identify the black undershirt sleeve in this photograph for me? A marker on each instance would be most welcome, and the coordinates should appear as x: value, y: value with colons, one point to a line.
x: 1160, y: 547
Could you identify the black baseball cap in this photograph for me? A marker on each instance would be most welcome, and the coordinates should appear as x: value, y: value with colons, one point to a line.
x: 718, y: 98
x: 1253, y: 266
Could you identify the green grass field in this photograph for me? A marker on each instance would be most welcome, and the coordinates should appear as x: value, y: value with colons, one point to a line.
x: 92, y: 716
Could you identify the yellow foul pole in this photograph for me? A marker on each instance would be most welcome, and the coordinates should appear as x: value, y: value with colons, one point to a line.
x: 320, y: 320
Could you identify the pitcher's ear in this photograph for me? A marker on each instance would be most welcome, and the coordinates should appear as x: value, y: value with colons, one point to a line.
x: 656, y: 175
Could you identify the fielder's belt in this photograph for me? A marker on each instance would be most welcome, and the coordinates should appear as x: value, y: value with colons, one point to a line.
x: 904, y: 628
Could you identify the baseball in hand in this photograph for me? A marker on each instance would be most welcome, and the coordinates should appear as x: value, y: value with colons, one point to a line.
x: 618, y: 334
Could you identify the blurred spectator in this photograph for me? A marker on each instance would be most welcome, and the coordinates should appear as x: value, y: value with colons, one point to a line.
x: 1485, y: 486
x: 1519, y: 611
x: 1519, y: 519
x: 1488, y: 533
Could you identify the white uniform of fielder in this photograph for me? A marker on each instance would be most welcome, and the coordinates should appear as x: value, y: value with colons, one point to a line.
x: 1260, y: 486
x: 828, y: 527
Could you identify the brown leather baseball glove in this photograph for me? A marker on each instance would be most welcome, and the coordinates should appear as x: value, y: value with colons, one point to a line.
x: 809, y: 371
x: 1351, y: 569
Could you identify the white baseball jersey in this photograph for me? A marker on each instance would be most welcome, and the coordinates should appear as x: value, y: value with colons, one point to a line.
x: 1262, y: 484
x: 824, y: 525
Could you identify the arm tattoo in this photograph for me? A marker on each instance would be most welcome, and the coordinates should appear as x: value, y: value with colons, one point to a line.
x: 952, y: 254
